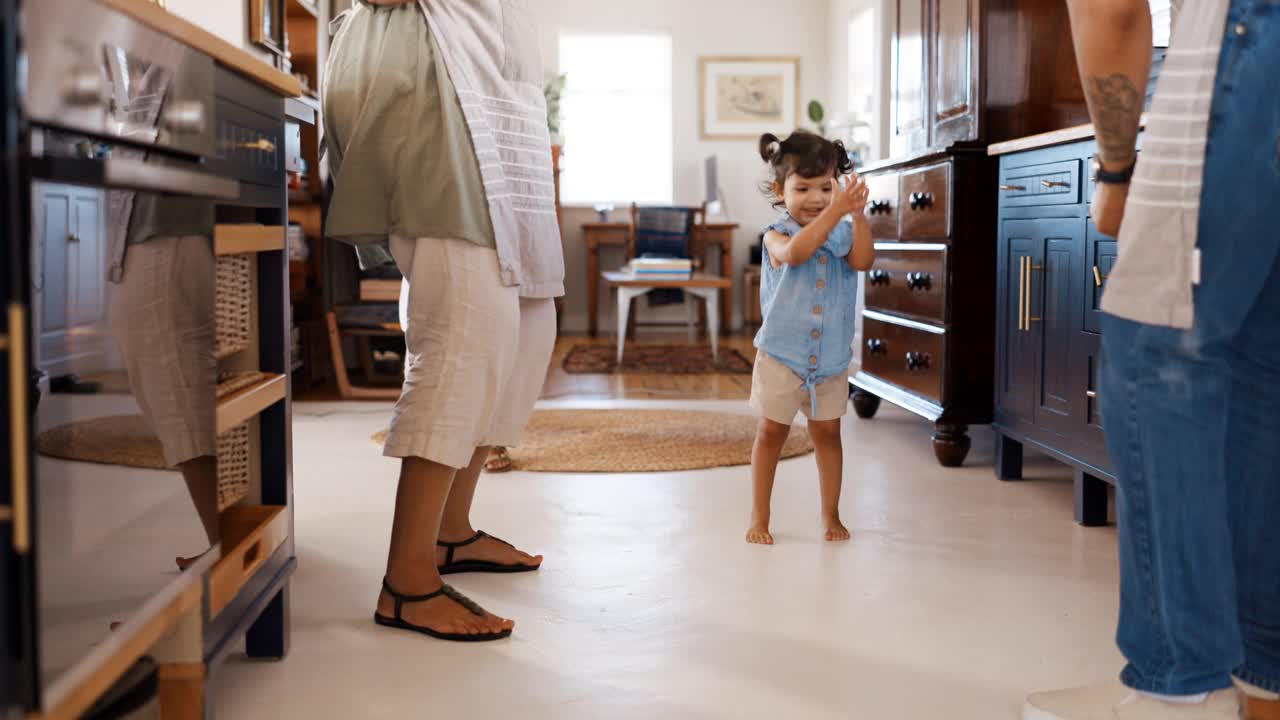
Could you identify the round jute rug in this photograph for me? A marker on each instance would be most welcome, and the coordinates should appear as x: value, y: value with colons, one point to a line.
x: 624, y: 441
x: 120, y: 440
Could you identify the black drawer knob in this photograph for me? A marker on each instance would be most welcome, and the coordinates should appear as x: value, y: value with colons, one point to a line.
x: 919, y: 280
x: 879, y: 207
x: 921, y: 200
x: 918, y: 361
x: 879, y: 277
x: 876, y: 346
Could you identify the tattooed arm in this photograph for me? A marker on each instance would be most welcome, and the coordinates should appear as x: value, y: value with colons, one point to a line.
x: 1113, y: 48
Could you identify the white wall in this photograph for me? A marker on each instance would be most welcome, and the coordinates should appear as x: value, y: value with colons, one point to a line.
x: 228, y: 19
x: 697, y: 27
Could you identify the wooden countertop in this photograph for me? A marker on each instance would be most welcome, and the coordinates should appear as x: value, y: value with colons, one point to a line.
x: 161, y: 20
x: 1043, y: 140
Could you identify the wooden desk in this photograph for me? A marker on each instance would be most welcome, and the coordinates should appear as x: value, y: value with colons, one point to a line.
x: 705, y: 236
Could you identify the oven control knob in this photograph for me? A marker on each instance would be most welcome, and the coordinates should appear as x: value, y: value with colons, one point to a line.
x: 185, y: 117
x: 85, y: 87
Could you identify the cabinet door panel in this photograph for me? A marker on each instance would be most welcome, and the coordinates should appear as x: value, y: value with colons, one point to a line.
x: 910, y: 87
x: 1093, y: 441
x: 87, y: 293
x: 1054, y: 301
x: 54, y: 205
x: 954, y: 73
x: 1018, y: 352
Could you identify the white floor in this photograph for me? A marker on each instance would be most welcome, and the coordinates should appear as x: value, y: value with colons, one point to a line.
x: 957, y: 595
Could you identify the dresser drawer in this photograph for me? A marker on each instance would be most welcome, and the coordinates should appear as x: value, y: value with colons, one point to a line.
x: 926, y: 203
x: 908, y: 356
x: 1049, y: 184
x: 882, y: 206
x: 909, y: 280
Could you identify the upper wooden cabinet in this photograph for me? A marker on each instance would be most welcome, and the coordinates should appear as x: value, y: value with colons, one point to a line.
x: 955, y: 80
x: 980, y: 71
x: 910, y: 94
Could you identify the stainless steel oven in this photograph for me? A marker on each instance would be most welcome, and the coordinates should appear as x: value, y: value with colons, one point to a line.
x: 119, y: 159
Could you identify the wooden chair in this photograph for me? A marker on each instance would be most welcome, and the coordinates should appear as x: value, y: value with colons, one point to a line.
x: 694, y: 217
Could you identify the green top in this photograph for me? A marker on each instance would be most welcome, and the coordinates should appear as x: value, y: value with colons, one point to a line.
x: 157, y: 215
x: 398, y: 146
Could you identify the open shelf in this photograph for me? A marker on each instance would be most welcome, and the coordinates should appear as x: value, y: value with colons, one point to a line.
x: 373, y: 290
x: 75, y: 693
x: 250, y: 534
x: 241, y: 239
x: 239, y: 407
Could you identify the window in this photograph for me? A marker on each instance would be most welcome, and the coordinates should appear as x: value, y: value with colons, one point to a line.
x: 864, y: 70
x: 1162, y: 22
x: 616, y: 119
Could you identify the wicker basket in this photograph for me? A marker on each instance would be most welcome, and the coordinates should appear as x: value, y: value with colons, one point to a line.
x: 234, y: 294
x: 233, y: 466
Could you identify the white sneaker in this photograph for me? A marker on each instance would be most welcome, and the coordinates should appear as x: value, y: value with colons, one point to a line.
x: 1114, y: 701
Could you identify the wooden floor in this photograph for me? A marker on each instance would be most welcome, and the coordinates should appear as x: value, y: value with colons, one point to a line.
x: 561, y: 385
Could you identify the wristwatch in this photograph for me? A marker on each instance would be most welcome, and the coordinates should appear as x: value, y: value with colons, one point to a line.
x: 1113, y: 178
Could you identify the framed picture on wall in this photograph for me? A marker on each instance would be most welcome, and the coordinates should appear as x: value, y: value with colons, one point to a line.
x: 266, y: 24
x: 741, y: 98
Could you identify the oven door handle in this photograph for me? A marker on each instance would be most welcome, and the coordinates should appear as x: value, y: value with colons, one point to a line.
x: 128, y: 174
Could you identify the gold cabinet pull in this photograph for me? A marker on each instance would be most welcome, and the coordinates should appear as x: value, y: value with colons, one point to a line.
x: 1022, y: 292
x: 262, y: 144
x: 1013, y: 188
x: 1031, y: 268
x: 1051, y: 184
x: 1098, y: 277
x: 1091, y: 394
x: 18, y: 512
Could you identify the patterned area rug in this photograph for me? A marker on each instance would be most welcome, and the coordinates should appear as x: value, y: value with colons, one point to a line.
x: 636, y: 441
x: 655, y: 360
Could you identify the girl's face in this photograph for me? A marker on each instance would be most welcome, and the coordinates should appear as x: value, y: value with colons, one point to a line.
x: 804, y: 197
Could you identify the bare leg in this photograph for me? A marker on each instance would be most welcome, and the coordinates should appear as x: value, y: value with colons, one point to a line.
x: 411, y: 570
x: 830, y: 456
x: 455, y: 525
x: 770, y: 437
x: 201, y: 476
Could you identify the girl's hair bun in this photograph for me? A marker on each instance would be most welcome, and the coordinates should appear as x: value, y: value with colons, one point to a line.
x: 770, y: 147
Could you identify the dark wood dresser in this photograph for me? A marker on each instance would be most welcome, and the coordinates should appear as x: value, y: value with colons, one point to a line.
x: 965, y: 73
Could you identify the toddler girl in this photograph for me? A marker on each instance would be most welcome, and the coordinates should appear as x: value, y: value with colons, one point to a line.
x: 808, y: 298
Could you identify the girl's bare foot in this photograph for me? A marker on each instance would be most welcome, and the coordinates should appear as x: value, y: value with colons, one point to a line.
x: 758, y: 532
x: 836, y: 531
x: 185, y: 562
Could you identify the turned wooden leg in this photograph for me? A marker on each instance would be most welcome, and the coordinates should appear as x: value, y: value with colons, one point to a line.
x: 951, y: 443
x: 865, y: 405
x: 1090, y: 500
x: 1008, y: 458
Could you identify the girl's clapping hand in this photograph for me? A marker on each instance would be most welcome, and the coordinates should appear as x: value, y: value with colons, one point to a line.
x: 851, y: 195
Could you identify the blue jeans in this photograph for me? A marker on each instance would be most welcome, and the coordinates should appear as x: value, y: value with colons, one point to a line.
x: 1193, y: 417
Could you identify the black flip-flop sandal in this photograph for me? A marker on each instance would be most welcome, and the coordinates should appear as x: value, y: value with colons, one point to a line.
x: 400, y: 623
x: 480, y: 566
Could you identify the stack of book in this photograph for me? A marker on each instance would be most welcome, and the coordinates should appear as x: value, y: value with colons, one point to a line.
x: 662, y: 268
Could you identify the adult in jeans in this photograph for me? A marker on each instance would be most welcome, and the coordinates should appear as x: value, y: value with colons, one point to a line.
x: 437, y: 141
x: 1190, y: 385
